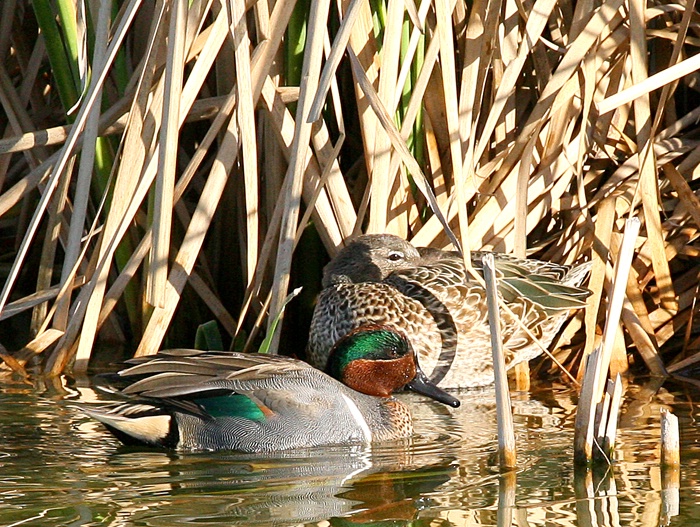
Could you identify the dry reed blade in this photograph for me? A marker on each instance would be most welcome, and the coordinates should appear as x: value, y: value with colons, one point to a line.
x: 393, y: 200
x: 167, y: 157
x: 536, y: 23
x: 192, y: 243
x: 192, y: 86
x: 340, y: 42
x: 410, y: 53
x: 382, y: 180
x: 549, y: 183
x: 685, y: 193
x: 601, y: 19
x: 129, y: 271
x: 449, y: 82
x: 125, y: 185
x: 66, y: 151
x: 400, y: 146
x: 648, y: 180
x: 246, y: 123
x: 85, y: 171
x: 649, y: 84
x: 311, y: 71
x: 328, y: 227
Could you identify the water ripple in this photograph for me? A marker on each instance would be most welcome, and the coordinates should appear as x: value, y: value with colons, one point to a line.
x: 447, y: 474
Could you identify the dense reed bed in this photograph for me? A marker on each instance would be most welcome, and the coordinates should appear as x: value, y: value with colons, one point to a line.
x: 167, y: 164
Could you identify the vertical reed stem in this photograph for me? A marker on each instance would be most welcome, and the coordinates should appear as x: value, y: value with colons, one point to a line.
x: 670, y: 443
x: 506, y: 435
x: 598, y: 362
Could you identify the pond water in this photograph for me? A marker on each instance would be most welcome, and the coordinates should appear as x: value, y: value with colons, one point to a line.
x: 58, y: 467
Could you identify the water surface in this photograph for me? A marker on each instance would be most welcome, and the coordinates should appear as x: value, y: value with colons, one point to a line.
x: 58, y: 467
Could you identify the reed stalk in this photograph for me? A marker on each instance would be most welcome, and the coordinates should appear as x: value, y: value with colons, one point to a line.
x: 532, y: 131
x: 504, y: 415
x: 597, y: 407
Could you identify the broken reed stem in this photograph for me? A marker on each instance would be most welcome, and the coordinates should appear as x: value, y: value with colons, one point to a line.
x: 585, y: 412
x: 606, y: 421
x: 670, y: 442
x: 506, y: 434
x: 670, y: 466
x: 615, y: 391
x: 598, y: 362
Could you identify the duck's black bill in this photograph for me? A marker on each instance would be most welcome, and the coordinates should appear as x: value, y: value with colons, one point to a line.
x: 424, y: 386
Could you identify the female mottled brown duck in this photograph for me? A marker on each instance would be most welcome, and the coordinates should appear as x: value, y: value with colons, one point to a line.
x: 428, y: 294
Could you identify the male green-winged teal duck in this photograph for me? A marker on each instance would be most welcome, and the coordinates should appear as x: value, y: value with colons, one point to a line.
x: 195, y: 400
x: 428, y: 294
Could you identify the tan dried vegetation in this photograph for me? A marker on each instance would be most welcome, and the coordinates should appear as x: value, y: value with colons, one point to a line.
x: 539, y: 126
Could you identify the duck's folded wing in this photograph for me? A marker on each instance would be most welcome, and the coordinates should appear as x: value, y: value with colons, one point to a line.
x: 181, y: 374
x: 552, y: 287
x: 550, y: 296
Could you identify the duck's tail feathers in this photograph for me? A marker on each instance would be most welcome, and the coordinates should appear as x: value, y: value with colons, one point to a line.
x: 578, y: 274
x: 138, y: 424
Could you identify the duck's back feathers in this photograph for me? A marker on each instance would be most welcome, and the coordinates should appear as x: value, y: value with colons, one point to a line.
x: 174, y: 373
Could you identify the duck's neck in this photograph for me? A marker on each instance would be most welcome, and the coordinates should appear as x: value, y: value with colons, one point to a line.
x: 394, y: 420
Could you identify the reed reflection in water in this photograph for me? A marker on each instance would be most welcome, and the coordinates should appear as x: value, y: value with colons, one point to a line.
x: 58, y: 467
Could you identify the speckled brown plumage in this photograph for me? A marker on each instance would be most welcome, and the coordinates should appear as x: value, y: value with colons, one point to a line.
x: 426, y: 293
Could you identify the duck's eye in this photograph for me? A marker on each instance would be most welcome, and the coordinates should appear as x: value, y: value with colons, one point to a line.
x: 395, y: 256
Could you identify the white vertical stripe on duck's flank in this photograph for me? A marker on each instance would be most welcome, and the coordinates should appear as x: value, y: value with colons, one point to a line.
x: 359, y: 418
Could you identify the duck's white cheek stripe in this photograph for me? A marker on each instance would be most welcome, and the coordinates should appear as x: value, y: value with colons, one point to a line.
x: 359, y: 419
